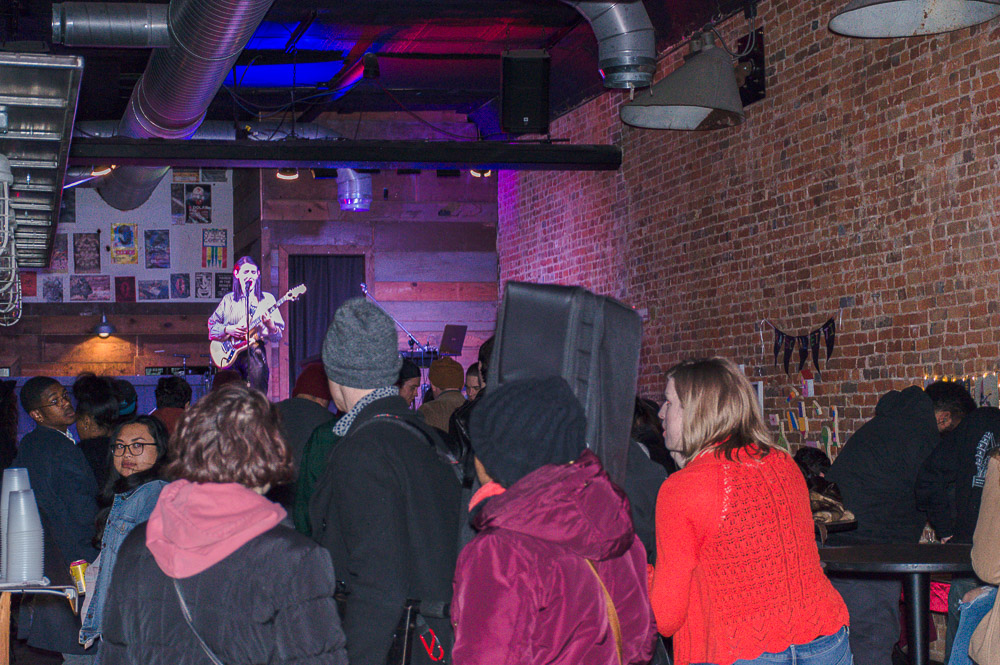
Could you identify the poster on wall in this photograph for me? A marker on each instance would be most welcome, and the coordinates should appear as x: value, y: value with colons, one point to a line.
x: 180, y: 285
x: 153, y: 289
x: 59, y: 261
x: 124, y: 249
x: 199, y: 204
x: 87, y: 288
x: 52, y: 289
x: 67, y: 207
x: 186, y: 175
x: 203, y: 285
x: 29, y: 284
x: 124, y: 289
x: 86, y: 252
x: 213, y: 175
x: 213, y: 248
x: 157, y: 248
x: 223, y: 284
x: 177, y: 204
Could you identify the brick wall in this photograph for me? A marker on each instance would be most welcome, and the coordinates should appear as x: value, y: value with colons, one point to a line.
x: 862, y: 187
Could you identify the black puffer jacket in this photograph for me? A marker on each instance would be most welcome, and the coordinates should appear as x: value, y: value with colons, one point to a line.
x: 270, y: 601
x: 877, y: 469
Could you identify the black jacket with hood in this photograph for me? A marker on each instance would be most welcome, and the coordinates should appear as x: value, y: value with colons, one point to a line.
x: 388, y: 507
x: 877, y: 469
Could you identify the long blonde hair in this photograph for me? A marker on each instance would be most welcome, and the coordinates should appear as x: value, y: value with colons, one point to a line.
x: 720, y: 407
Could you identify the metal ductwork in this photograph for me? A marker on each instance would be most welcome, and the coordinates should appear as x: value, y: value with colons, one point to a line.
x: 170, y: 99
x: 354, y: 190
x: 626, y: 41
x: 116, y: 25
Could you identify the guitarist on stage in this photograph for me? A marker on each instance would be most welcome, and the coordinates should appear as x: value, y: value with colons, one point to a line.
x: 229, y: 322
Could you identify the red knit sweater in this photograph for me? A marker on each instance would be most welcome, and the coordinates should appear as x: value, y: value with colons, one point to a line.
x: 737, y: 571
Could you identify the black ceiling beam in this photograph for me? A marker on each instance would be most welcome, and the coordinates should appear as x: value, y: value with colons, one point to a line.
x: 347, y: 153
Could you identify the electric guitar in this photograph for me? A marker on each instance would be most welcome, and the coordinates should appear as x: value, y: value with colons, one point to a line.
x: 224, y: 353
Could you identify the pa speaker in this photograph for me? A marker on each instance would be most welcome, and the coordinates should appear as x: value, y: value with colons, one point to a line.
x: 524, y: 97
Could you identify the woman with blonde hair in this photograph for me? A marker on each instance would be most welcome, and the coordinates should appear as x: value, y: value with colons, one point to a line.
x: 738, y: 577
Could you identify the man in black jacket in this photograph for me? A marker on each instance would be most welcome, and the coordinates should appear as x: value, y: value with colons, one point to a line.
x: 950, y: 483
x: 387, y: 505
x: 876, y: 473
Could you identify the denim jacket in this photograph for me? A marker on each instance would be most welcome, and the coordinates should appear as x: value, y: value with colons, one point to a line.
x: 128, y: 511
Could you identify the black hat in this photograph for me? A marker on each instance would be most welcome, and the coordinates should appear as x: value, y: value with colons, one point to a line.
x: 523, y: 425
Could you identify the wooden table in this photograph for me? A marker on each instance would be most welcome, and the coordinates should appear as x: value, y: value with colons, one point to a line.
x: 915, y: 563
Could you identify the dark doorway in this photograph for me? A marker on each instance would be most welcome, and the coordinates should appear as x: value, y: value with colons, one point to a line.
x: 329, y: 280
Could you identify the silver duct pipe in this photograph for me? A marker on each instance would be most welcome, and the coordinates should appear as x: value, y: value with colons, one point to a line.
x: 123, y: 25
x: 170, y: 99
x: 626, y: 41
x: 354, y: 190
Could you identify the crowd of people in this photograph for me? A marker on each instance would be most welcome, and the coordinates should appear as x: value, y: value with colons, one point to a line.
x: 479, y: 528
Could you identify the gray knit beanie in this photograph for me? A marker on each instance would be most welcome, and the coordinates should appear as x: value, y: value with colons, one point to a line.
x: 360, y: 349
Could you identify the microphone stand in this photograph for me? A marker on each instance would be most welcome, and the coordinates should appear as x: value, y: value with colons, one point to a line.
x: 423, y: 348
x: 246, y: 295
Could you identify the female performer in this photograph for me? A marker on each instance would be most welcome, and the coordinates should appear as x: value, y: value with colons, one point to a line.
x: 228, y: 323
x: 737, y: 577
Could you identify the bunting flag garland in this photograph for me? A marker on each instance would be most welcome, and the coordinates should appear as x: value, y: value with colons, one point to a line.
x: 807, y: 344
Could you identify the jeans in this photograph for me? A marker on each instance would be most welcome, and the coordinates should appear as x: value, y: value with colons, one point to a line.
x: 959, y: 587
x: 827, y: 650
x: 970, y: 614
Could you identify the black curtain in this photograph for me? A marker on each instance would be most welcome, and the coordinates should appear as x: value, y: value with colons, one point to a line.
x: 329, y: 280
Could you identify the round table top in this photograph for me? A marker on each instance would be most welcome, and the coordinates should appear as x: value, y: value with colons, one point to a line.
x: 898, y: 558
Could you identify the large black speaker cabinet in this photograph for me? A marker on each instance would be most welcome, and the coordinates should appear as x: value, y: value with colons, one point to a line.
x: 591, y: 341
x: 524, y: 97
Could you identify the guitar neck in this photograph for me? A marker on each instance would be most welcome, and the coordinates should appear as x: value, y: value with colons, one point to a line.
x: 255, y: 321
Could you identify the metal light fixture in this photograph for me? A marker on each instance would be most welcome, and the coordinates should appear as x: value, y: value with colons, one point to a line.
x: 99, y: 171
x: 287, y: 174
x: 104, y: 329
x: 907, y: 18
x: 701, y: 94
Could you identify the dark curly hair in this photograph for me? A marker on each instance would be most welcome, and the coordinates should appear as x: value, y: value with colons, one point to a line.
x: 172, y: 391
x: 96, y: 397
x: 231, y: 435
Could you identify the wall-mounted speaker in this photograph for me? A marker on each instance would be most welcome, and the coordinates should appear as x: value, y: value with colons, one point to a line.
x: 524, y: 97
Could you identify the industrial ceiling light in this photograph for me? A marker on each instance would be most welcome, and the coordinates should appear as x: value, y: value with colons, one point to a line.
x: 907, y: 18
x: 287, y: 174
x: 98, y: 171
x: 701, y: 94
x: 104, y: 329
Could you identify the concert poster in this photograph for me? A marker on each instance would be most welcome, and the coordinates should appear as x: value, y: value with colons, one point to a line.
x: 223, y: 284
x: 29, y: 284
x: 213, y: 175
x: 88, y: 288
x: 59, y: 261
x: 124, y: 289
x: 213, y: 248
x: 177, y: 204
x: 52, y: 288
x: 180, y: 285
x: 185, y: 175
x: 199, y: 203
x: 124, y: 249
x: 86, y: 252
x: 153, y: 289
x: 203, y: 286
x: 157, y: 248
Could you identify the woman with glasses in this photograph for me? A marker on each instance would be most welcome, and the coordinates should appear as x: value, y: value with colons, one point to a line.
x: 138, y: 450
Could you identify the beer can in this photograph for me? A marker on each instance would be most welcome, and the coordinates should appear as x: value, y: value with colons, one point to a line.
x: 77, y: 570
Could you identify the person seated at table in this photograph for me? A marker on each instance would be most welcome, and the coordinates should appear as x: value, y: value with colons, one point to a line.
x: 978, y: 636
x: 738, y: 576
x: 877, y: 473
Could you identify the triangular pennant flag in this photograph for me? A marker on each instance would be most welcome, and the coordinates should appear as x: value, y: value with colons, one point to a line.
x: 803, y: 350
x: 829, y: 333
x: 814, y: 347
x: 779, y: 341
x: 789, y: 347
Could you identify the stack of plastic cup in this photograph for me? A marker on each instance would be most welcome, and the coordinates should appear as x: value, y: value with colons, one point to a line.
x: 14, y: 480
x: 24, y: 538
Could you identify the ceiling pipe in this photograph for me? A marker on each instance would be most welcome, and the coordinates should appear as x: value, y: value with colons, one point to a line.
x: 626, y: 41
x: 104, y: 24
x: 170, y: 99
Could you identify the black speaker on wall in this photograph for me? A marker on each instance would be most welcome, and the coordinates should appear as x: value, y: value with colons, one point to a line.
x: 524, y: 97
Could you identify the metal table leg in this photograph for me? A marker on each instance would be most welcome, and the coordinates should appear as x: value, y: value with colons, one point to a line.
x: 916, y: 590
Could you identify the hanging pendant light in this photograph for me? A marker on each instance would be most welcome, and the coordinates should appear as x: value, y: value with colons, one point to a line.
x: 908, y: 18
x: 104, y: 329
x: 287, y: 174
x: 701, y: 94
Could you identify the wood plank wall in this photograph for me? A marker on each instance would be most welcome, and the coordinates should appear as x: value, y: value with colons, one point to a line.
x: 429, y: 244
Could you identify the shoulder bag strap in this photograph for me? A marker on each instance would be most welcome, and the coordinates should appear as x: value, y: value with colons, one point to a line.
x: 616, y: 627
x: 187, y: 618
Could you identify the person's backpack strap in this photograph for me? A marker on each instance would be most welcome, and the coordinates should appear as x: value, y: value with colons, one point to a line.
x: 616, y: 627
x: 187, y: 618
x: 432, y: 438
